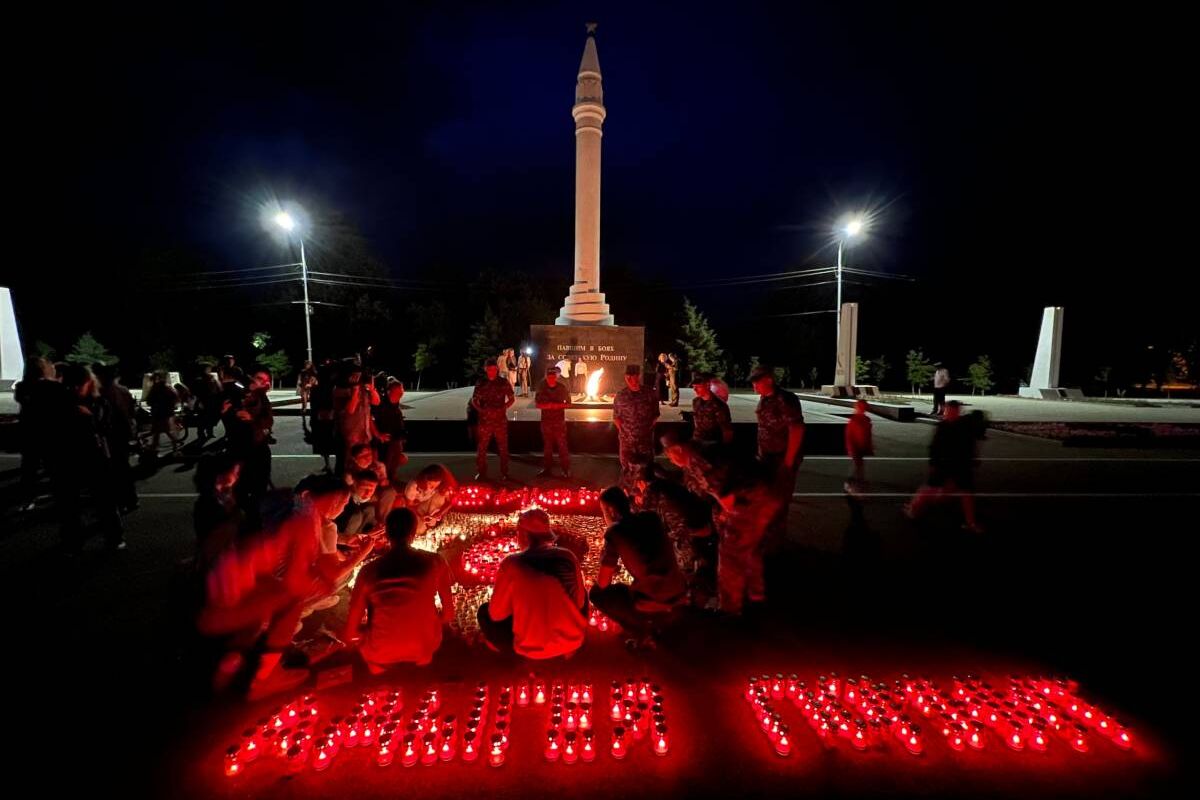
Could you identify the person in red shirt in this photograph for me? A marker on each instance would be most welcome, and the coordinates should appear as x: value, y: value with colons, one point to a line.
x: 858, y: 445
x: 397, y: 592
x: 539, y: 605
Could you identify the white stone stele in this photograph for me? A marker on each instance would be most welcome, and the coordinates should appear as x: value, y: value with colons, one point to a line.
x: 1043, y: 383
x: 12, y: 362
x: 847, y: 347
x: 585, y: 303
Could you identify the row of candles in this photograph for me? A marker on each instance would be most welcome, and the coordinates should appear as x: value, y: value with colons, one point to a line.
x: 637, y: 713
x: 294, y: 733
x: 480, y: 497
x: 1027, y: 715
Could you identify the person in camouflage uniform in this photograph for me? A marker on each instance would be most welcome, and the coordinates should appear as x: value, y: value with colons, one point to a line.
x: 780, y: 437
x: 552, y: 398
x: 635, y: 408
x: 746, y: 510
x: 710, y: 414
x: 687, y: 519
x: 492, y: 398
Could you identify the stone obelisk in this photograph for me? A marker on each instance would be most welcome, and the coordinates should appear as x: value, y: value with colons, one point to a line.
x: 585, y: 303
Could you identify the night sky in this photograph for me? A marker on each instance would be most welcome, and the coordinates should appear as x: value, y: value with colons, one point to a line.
x: 1017, y: 156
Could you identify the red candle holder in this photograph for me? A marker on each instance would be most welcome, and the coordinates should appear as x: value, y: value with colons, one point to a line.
x: 296, y: 758
x: 1121, y: 737
x: 250, y: 746
x: 570, y: 747
x: 784, y: 743
x: 386, y: 752
x: 661, y: 741
x: 913, y: 742
x: 1079, y: 739
x: 410, y: 756
x: 587, y: 751
x: 429, y: 749
x: 496, y: 752
x: 233, y: 767
x: 470, y: 750
x: 322, y: 756
x: 976, y: 739
x: 618, y: 748
x: 553, y: 749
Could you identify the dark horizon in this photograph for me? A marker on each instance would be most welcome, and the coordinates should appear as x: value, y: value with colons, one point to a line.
x: 1009, y: 158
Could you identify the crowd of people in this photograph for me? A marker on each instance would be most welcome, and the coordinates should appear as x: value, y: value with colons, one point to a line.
x: 694, y: 533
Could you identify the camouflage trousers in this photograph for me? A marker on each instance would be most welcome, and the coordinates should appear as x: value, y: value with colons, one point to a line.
x: 484, y: 433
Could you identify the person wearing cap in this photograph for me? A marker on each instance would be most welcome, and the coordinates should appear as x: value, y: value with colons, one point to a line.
x: 635, y: 408
x: 780, y: 437
x: 553, y: 398
x: 492, y: 398
x: 539, y: 604
x: 710, y: 414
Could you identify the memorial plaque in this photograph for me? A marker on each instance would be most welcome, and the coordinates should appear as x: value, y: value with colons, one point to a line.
x: 607, y: 347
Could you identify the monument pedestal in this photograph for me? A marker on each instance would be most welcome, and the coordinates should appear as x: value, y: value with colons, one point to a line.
x: 607, y: 347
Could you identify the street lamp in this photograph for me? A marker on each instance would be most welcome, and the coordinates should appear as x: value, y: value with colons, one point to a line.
x: 850, y: 230
x: 285, y: 221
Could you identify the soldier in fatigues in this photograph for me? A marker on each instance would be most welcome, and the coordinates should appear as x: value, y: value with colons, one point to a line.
x: 492, y: 398
x: 635, y: 409
x: 780, y: 436
x: 711, y: 422
x: 552, y: 398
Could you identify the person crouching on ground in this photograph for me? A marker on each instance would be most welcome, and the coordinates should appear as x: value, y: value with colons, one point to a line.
x: 539, y: 605
x: 639, y: 542
x: 397, y: 592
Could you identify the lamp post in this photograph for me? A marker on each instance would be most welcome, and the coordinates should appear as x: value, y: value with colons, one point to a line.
x: 285, y: 221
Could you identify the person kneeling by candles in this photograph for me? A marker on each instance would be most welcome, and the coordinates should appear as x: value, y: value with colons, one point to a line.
x: 257, y: 589
x: 362, y: 513
x: 639, y: 542
x: 397, y: 592
x: 362, y: 459
x: 428, y: 495
x: 539, y: 605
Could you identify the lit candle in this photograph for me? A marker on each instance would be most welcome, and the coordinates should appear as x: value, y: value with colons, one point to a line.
x: 859, y: 739
x: 553, y: 751
x: 618, y: 743
x: 523, y: 695
x: 586, y: 695
x: 322, y: 756
x: 1079, y: 739
x: 913, y: 742
x: 496, y: 754
x: 233, y: 767
x: 585, y: 717
x: 661, y: 742
x: 1121, y: 737
x: 783, y: 742
x: 539, y: 693
x: 429, y: 749
x: 386, y: 752
x: 570, y: 750
x: 410, y: 755
x: 470, y: 750
x: 618, y: 712
x: 976, y: 737
x: 501, y: 729
x: 587, y: 752
x: 250, y: 746
x: 1014, y: 738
